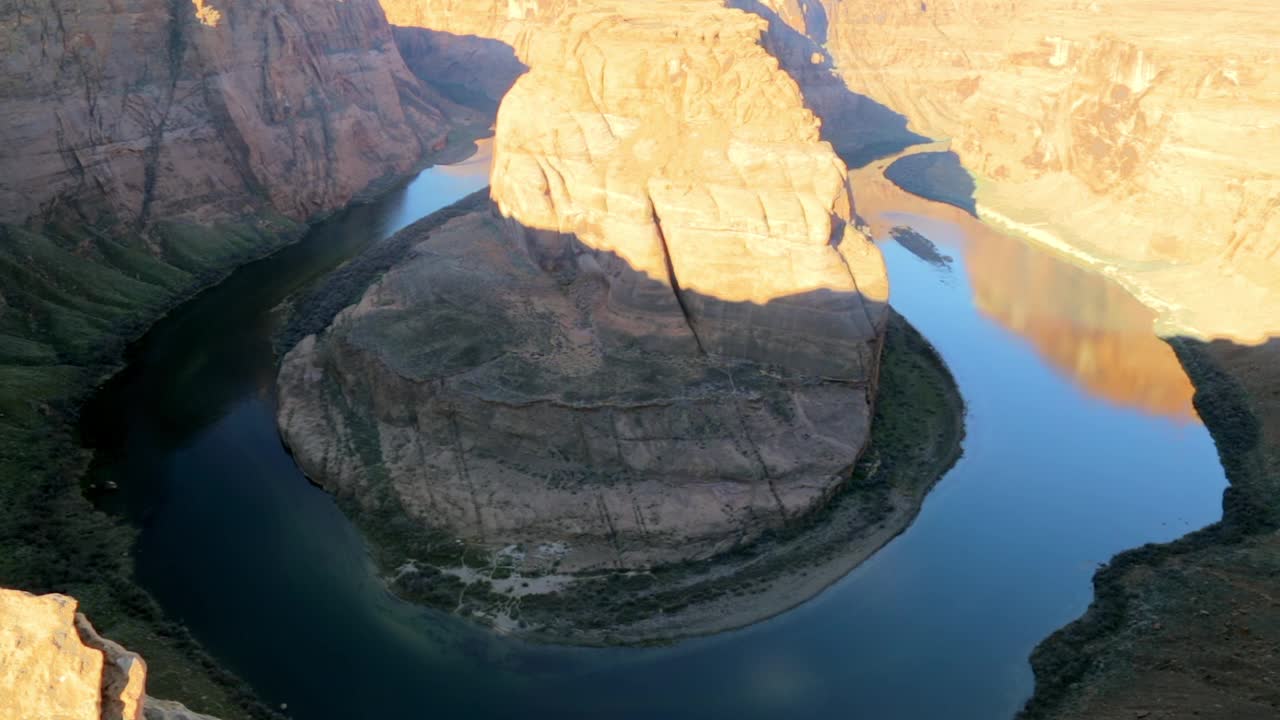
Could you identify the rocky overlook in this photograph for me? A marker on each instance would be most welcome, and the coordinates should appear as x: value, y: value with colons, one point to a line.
x: 57, y: 666
x: 662, y: 339
x: 1101, y: 128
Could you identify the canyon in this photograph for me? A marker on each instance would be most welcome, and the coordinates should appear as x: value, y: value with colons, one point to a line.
x: 150, y: 146
x: 1135, y: 135
x: 201, y: 113
x: 664, y: 334
x: 660, y: 339
x: 146, y: 149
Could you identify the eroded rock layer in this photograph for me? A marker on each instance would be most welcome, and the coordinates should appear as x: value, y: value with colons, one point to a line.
x: 662, y: 340
x: 1139, y: 134
x: 57, y: 666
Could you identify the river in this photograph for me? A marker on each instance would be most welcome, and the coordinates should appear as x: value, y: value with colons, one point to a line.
x: 1081, y: 442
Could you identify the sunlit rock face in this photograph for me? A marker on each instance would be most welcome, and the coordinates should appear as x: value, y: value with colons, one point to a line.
x: 671, y: 333
x: 1139, y: 132
x: 668, y: 137
x: 148, y: 110
x: 670, y: 140
x: 57, y: 666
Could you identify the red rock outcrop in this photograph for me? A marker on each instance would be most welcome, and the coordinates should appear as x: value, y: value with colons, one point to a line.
x: 150, y: 110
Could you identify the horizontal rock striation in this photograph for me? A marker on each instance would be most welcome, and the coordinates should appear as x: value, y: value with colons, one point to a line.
x: 1137, y: 134
x: 662, y: 340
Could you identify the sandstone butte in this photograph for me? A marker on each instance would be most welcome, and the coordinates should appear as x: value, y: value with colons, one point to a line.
x: 1137, y: 136
x: 663, y: 340
x: 56, y: 667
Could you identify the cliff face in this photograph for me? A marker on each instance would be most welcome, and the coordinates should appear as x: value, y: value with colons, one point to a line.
x: 663, y: 340
x: 1137, y: 132
x: 163, y: 109
x: 679, y: 147
x: 57, y: 666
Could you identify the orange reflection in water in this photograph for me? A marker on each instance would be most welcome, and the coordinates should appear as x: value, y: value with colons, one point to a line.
x: 1080, y: 322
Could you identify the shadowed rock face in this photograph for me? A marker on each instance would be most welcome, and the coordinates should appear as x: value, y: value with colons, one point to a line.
x: 497, y: 402
x: 1139, y: 132
x: 154, y: 109
x: 661, y: 341
x: 57, y: 666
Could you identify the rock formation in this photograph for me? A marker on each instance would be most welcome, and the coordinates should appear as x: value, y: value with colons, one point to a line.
x: 148, y: 146
x: 664, y: 338
x: 1138, y: 134
x: 56, y: 666
x: 155, y: 110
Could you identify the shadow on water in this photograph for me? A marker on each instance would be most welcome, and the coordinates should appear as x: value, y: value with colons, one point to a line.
x: 860, y: 129
x: 937, y: 176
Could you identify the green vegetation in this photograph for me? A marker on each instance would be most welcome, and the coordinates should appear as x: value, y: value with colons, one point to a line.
x: 70, y: 300
x: 73, y: 293
x: 1067, y: 661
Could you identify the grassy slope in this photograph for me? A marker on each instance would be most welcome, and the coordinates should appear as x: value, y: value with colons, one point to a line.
x: 1190, y: 628
x: 72, y: 298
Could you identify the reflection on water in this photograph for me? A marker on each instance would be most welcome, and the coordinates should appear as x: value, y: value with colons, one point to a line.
x: 1086, y: 326
x: 268, y: 574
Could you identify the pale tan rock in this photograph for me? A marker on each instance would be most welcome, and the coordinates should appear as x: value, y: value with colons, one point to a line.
x: 46, y: 672
x: 494, y: 403
x: 1138, y: 135
x: 55, y: 666
x: 169, y: 710
x: 124, y: 675
x: 665, y: 135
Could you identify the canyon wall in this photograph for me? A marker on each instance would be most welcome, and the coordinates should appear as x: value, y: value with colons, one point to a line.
x: 664, y: 336
x: 147, y: 146
x: 151, y: 110
x: 1138, y: 135
x: 57, y: 666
